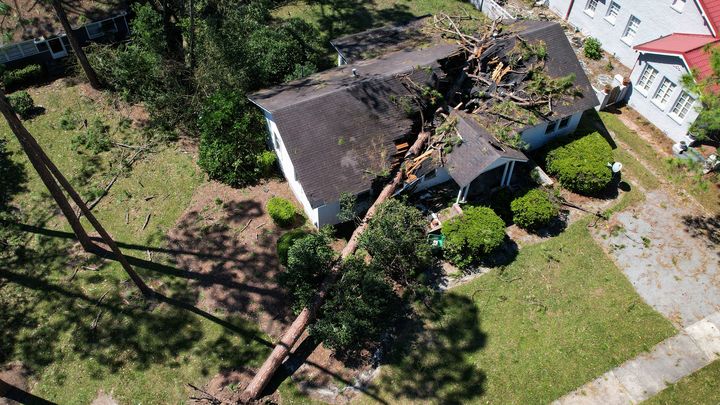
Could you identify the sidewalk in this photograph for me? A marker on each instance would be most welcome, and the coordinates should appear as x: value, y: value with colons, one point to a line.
x: 646, y: 375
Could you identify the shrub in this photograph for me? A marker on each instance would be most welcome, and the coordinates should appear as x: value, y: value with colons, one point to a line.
x: 69, y: 120
x: 309, y: 261
x: 592, y: 49
x: 286, y: 241
x: 23, y: 77
x: 281, y: 211
x: 360, y: 308
x: 533, y: 210
x: 473, y: 235
x: 22, y: 104
x: 266, y: 163
x: 581, y: 164
x: 95, y: 139
x: 232, y: 140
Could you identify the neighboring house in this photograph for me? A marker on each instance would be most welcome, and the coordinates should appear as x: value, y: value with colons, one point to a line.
x: 55, y: 44
x: 340, y: 130
x: 660, y: 40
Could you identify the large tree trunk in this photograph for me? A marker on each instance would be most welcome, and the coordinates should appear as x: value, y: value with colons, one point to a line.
x: 308, y: 314
x: 44, y: 166
x: 79, y: 53
x: 16, y: 394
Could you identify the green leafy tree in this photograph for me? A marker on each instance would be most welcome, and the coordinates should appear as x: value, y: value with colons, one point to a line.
x: 232, y: 139
x: 396, y: 241
x: 472, y: 236
x: 309, y: 262
x: 361, y: 306
x: 706, y: 126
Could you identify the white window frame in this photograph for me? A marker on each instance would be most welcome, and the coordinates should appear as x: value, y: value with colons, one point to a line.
x: 678, y: 5
x: 609, y: 16
x: 644, y: 89
x: 630, y: 27
x: 591, y: 7
x: 678, y: 112
x: 662, y: 95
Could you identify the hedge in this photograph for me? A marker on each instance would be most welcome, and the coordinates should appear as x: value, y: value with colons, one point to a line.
x: 18, y: 78
x: 582, y: 164
x: 533, y: 210
x: 281, y: 211
x: 472, y: 236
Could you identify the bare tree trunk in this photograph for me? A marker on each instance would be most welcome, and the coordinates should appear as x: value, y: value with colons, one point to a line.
x: 79, y: 52
x: 308, y: 314
x: 16, y: 394
x: 45, y: 166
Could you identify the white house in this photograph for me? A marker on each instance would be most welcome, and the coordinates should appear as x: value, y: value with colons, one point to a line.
x: 660, y: 40
x: 340, y: 130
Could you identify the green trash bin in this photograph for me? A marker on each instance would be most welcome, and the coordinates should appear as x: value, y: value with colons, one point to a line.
x: 436, y: 240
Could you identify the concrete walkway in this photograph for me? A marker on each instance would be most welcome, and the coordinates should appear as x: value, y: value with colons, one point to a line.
x: 641, y: 378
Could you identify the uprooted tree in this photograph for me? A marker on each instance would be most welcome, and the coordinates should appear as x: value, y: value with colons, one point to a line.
x: 496, y: 73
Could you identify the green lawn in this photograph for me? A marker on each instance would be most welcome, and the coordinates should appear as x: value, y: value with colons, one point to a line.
x: 78, y: 336
x: 699, y: 388
x: 704, y: 191
x: 560, y: 315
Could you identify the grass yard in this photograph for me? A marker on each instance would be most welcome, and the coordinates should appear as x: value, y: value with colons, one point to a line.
x: 704, y: 191
x: 699, y: 388
x: 560, y: 315
x: 78, y: 332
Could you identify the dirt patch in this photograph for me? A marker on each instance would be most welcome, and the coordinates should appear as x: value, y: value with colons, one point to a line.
x: 134, y: 112
x: 647, y: 131
x: 104, y: 399
x: 16, y: 375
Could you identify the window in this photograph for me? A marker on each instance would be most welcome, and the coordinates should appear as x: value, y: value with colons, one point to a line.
x: 564, y: 122
x: 678, y: 5
x: 647, y: 78
x: 663, y: 92
x: 430, y: 175
x: 612, y: 12
x: 632, y: 28
x: 682, y: 105
x: 590, y: 7
x: 550, y: 127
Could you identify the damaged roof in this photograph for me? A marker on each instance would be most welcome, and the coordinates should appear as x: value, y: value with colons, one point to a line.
x: 377, y: 41
x: 339, y: 129
x: 478, y: 150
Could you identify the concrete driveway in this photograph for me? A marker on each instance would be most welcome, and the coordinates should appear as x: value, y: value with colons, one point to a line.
x: 670, y: 252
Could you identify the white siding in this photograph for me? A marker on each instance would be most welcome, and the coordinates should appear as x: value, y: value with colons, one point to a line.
x: 672, y: 68
x: 536, y: 137
x: 289, y: 171
x: 657, y: 18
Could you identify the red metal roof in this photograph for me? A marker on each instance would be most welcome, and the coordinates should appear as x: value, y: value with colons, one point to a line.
x: 711, y: 9
x: 690, y: 46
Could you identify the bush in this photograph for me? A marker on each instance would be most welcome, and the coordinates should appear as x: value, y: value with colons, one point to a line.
x: 473, y: 235
x: 309, y: 260
x: 533, y: 210
x: 286, y: 241
x: 24, y: 77
x: 581, y: 164
x: 232, y: 140
x: 266, y: 163
x: 281, y: 211
x: 22, y: 104
x: 360, y: 308
x: 69, y: 120
x: 96, y: 138
x: 593, y: 49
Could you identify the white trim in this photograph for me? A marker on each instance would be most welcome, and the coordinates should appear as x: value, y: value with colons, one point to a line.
x: 707, y: 20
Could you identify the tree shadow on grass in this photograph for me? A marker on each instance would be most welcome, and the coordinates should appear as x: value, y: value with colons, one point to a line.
x: 706, y: 228
x: 429, y: 361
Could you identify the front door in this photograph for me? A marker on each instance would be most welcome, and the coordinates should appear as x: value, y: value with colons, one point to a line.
x: 57, y: 48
